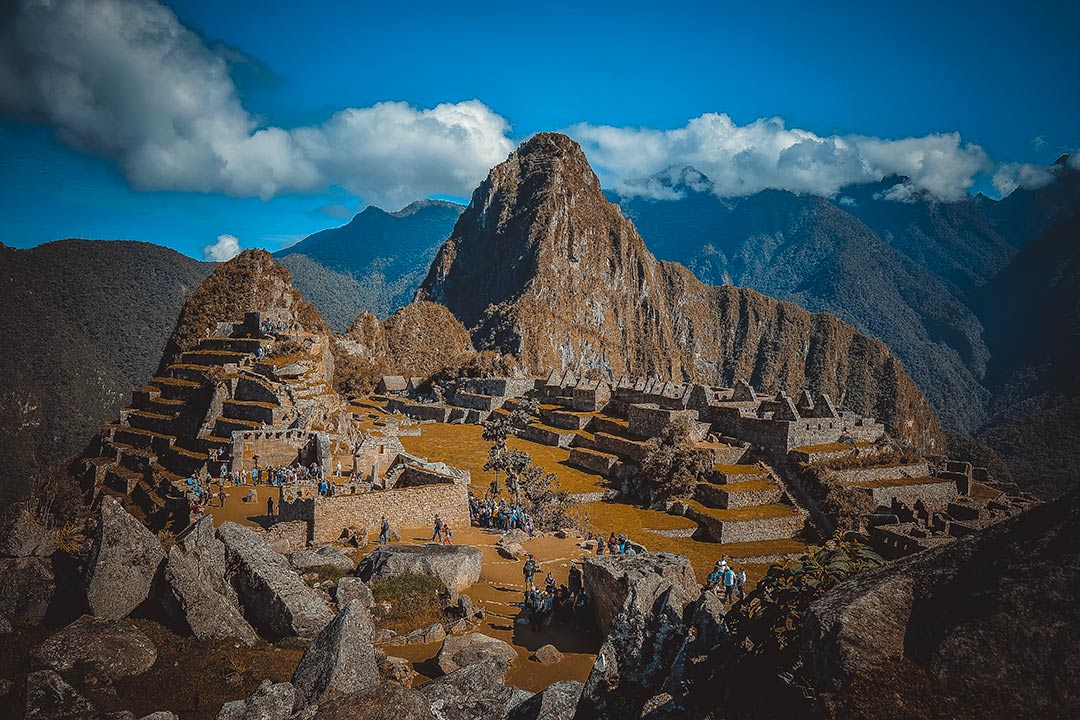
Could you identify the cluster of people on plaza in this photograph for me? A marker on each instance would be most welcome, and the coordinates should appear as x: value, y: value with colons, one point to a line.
x: 200, y: 495
x: 615, y: 545
x: 726, y: 581
x: 566, y: 601
x: 498, y: 514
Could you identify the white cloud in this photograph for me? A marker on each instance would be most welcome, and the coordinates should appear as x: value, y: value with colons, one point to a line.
x: 743, y: 159
x: 226, y: 248
x: 124, y: 79
x: 1011, y: 176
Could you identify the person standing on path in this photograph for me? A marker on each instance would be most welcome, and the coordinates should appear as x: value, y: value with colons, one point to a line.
x: 384, y: 531
x: 529, y: 570
x: 437, y: 535
x: 729, y: 585
x: 270, y: 508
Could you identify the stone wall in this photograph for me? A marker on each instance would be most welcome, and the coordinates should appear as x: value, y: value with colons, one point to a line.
x: 278, y: 447
x: 649, y: 419
x: 500, y: 387
x: 418, y: 411
x: 857, y: 476
x: 376, y: 453
x: 413, y: 507
x: 934, y: 495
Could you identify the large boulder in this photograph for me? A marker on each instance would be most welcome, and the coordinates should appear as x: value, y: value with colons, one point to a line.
x: 111, y: 649
x: 48, y: 697
x: 641, y: 646
x: 459, y: 651
x: 27, y: 586
x: 351, y: 588
x: 457, y: 566
x: 608, y: 580
x: 124, y: 559
x: 270, y: 701
x: 395, y: 670
x: 340, y: 660
x: 548, y: 655
x: 385, y: 702
x: 557, y: 701
x: 201, y: 601
x: 476, y: 691
x: 304, y: 561
x: 992, y: 619
x: 272, y: 593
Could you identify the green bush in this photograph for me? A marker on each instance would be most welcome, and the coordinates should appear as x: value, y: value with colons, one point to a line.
x: 408, y: 601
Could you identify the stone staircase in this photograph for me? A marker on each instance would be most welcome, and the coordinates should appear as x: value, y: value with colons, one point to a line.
x: 175, y: 420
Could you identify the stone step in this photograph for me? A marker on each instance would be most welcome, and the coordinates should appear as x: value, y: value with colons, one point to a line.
x: 147, y: 420
x: 762, y: 522
x: 565, y: 419
x: 611, y: 426
x: 862, y: 475
x: 213, y: 357
x: 183, y: 462
x: 142, y: 397
x: 634, y: 450
x: 936, y: 493
x: 197, y: 374
x: 744, y: 494
x: 137, y: 437
x: 260, y: 412
x: 122, y: 479
x: 723, y: 474
x: 721, y: 453
x: 247, y: 346
x: 547, y: 435
x: 225, y: 427
x: 592, y: 460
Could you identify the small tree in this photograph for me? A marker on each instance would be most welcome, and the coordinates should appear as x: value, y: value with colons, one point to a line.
x: 547, y: 503
x: 673, y: 464
x: 512, y: 463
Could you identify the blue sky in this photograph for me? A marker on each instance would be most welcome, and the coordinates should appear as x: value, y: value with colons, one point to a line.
x: 116, y: 147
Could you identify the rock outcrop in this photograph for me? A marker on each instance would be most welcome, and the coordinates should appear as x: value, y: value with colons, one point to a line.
x: 542, y: 266
x: 987, y: 624
x: 609, y: 580
x: 557, y: 701
x: 109, y: 649
x: 48, y: 697
x: 270, y: 701
x: 195, y: 574
x: 27, y: 585
x: 271, y: 591
x: 457, y: 566
x: 462, y: 650
x: 636, y: 658
x: 307, y: 560
x: 341, y: 660
x: 475, y: 690
x: 351, y: 588
x: 123, y: 562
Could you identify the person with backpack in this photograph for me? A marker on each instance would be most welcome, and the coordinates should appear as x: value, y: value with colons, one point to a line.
x: 529, y: 570
x: 447, y: 535
x: 384, y: 531
x: 713, y: 580
x: 729, y: 584
x: 437, y: 535
x: 740, y: 583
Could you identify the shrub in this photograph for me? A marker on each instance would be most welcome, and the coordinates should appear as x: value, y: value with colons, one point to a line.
x: 673, y: 464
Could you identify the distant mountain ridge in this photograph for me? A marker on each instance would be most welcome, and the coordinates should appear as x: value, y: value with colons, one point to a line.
x: 373, y: 263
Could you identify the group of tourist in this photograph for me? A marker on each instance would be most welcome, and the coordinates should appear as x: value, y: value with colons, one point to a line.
x: 566, y: 601
x: 615, y: 545
x: 200, y: 495
x: 499, y: 514
x: 726, y: 581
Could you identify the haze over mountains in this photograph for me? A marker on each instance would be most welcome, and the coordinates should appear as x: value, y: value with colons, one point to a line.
x: 978, y: 298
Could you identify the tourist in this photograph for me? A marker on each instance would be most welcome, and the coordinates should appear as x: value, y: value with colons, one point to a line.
x: 529, y: 570
x: 222, y: 496
x: 384, y: 531
x: 575, y: 580
x: 713, y: 580
x: 437, y: 535
x: 600, y: 546
x: 549, y: 582
x: 339, y: 468
x: 740, y: 583
x: 447, y: 535
x: 270, y: 508
x: 729, y: 584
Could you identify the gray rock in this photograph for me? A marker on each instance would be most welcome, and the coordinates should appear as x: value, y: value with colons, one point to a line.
x: 48, y: 697
x: 608, y: 579
x: 160, y: 715
x: 510, y: 537
x: 385, y: 702
x: 341, y: 660
x: 27, y: 586
x: 270, y: 701
x: 201, y: 601
x: 458, y: 566
x: 432, y: 633
x: 548, y: 655
x: 635, y: 659
x: 459, y: 651
x: 468, y: 609
x: 123, y: 562
x: 474, y: 691
x: 307, y: 560
x: 511, y: 551
x: 270, y: 590
x: 5, y: 625
x: 557, y: 701
x: 351, y: 588
x: 113, y: 649
x: 396, y: 670
x: 27, y: 536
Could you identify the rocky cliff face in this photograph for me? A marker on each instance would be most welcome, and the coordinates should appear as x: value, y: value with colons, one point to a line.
x: 543, y: 266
